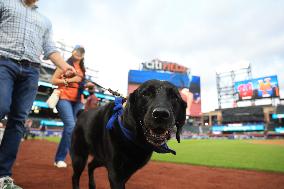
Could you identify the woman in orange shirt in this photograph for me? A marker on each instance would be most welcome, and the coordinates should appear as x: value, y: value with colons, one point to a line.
x: 70, y: 101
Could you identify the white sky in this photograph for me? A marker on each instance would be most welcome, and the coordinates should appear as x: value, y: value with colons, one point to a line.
x: 204, y: 35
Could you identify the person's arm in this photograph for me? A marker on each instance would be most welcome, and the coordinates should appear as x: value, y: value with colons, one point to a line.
x: 1, y: 10
x: 51, y: 52
x: 87, y: 104
x: 187, y: 96
x: 57, y: 78
x: 56, y: 58
x: 75, y: 79
x: 89, y: 84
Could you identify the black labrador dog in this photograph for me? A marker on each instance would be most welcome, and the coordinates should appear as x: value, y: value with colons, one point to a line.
x: 123, y: 138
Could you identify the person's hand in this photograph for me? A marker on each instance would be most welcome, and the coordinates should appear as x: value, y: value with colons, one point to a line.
x: 68, y: 70
x: 89, y: 85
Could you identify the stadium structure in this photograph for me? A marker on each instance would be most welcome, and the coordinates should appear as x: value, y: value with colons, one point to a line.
x: 247, y: 106
x: 177, y: 74
x: 253, y: 106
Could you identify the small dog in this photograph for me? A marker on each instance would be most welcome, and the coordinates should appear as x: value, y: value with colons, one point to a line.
x: 123, y: 138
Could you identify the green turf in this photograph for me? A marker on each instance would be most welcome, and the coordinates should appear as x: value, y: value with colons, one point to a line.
x: 240, y: 154
x: 53, y: 139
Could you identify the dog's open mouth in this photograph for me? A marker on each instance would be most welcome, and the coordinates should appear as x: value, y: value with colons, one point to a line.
x: 157, y: 136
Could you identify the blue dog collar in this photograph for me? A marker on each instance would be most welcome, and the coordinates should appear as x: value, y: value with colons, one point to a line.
x: 117, y: 113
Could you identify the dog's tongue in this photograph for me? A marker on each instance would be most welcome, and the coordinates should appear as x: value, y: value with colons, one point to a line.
x: 163, y: 149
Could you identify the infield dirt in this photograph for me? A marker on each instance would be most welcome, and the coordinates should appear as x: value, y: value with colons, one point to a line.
x: 34, y: 169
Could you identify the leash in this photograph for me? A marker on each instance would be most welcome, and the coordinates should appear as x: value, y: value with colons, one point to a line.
x: 114, y: 93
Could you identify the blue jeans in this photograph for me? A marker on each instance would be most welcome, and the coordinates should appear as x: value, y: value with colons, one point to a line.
x: 18, y: 86
x: 68, y: 113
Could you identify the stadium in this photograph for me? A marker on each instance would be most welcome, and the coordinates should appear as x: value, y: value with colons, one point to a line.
x: 226, y: 143
x: 154, y: 94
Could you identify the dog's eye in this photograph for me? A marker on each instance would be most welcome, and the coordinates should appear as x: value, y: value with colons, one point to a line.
x: 172, y: 94
x: 150, y: 91
x: 146, y: 94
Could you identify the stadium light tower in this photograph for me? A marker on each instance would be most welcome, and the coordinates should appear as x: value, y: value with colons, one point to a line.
x: 225, y: 79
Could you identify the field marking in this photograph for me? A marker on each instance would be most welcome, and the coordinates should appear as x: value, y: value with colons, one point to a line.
x: 270, y: 142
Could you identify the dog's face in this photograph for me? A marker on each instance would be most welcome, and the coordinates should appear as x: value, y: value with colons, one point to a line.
x: 157, y: 107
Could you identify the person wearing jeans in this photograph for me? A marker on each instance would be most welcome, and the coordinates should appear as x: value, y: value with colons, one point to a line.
x: 24, y: 35
x: 68, y: 111
x: 19, y: 85
x: 70, y: 101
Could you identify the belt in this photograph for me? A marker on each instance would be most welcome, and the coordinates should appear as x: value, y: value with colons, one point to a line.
x: 23, y: 62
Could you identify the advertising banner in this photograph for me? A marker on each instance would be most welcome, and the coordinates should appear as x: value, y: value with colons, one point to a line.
x: 188, y: 85
x: 264, y: 87
x: 258, y: 127
x: 159, y: 65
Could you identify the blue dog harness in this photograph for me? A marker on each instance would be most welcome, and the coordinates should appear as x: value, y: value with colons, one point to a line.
x: 117, y: 113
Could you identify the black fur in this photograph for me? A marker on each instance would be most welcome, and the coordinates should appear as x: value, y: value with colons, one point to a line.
x: 155, y: 107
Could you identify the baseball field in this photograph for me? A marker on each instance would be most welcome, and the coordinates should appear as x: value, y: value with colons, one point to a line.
x: 198, y: 164
x: 264, y: 155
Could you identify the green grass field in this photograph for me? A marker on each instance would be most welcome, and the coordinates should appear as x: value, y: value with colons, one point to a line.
x: 238, y: 154
x: 53, y: 139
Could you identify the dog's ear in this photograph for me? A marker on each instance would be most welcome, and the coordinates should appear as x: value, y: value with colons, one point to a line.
x: 129, y: 110
x: 180, y: 119
x: 132, y: 97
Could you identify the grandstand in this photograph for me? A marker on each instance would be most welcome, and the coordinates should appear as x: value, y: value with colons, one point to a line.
x: 258, y: 120
x: 248, y: 106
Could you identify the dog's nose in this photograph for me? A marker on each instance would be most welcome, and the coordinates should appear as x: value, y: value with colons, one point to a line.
x: 161, y: 113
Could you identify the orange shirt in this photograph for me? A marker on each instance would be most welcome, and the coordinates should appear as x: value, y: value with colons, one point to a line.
x: 71, y: 91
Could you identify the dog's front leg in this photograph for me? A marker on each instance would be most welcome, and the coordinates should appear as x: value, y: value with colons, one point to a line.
x: 116, y: 180
x: 116, y: 185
